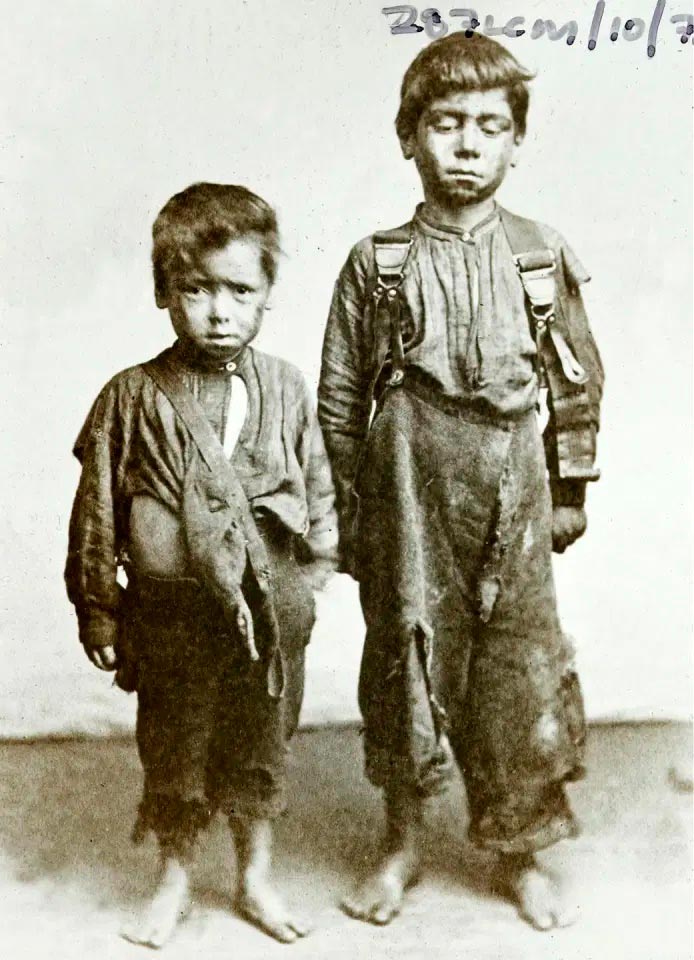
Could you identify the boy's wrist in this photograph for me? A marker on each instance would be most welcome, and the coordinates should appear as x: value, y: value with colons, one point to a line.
x: 567, y: 493
x: 97, y: 628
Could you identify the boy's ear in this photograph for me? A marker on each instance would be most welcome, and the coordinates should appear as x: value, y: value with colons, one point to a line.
x: 407, y: 145
x: 517, y: 144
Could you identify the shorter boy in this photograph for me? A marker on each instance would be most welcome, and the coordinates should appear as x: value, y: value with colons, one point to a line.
x: 204, y: 475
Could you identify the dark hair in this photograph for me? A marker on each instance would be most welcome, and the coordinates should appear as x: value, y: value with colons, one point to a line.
x: 459, y: 62
x: 206, y: 216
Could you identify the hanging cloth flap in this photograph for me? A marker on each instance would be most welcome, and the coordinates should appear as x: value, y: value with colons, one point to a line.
x: 169, y: 381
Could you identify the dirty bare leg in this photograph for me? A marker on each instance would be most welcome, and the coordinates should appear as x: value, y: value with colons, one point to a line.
x: 540, y: 899
x: 257, y: 898
x: 378, y: 898
x: 168, y: 905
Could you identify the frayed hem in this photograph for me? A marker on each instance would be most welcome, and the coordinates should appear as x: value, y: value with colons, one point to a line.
x: 174, y: 821
x: 531, y: 841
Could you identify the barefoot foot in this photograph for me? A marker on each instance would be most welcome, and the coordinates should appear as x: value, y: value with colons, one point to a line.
x: 379, y: 897
x: 257, y: 899
x: 168, y: 906
x: 541, y: 901
x: 263, y: 906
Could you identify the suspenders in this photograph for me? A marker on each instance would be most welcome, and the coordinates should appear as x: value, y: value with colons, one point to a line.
x: 557, y: 365
x: 536, y: 266
x: 391, y: 250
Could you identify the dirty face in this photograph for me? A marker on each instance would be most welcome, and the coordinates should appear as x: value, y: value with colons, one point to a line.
x: 464, y: 145
x: 216, y: 304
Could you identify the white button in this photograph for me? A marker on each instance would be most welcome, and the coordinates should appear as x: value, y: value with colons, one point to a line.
x: 467, y: 237
x: 230, y: 366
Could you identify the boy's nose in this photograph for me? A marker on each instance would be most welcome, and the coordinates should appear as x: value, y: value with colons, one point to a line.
x: 468, y: 140
x: 219, y: 308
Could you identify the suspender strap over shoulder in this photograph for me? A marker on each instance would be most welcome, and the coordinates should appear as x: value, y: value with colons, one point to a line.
x: 391, y: 250
x: 536, y: 265
x: 565, y: 376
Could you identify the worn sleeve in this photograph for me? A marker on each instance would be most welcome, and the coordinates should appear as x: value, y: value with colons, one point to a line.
x: 321, y: 537
x: 571, y: 277
x: 343, y: 391
x: 96, y: 521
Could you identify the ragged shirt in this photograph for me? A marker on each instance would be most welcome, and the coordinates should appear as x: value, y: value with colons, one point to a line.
x: 133, y: 444
x: 465, y: 328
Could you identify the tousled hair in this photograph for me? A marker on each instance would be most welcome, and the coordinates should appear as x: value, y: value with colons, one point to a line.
x: 206, y: 216
x: 461, y: 62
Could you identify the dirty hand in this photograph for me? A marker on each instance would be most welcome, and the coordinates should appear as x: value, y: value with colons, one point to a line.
x: 103, y: 657
x: 244, y: 623
x: 568, y: 524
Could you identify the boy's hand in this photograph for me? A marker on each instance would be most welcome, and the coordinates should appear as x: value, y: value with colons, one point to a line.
x: 103, y: 657
x: 568, y: 524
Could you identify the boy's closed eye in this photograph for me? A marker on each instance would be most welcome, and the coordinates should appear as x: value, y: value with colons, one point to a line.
x: 491, y: 125
x: 200, y: 290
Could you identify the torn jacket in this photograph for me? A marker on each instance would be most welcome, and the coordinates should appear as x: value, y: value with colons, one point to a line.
x: 133, y: 443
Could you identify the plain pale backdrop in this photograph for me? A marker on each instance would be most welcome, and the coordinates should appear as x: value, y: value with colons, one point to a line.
x: 110, y: 107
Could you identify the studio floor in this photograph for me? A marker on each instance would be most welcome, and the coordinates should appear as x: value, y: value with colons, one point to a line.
x: 69, y: 876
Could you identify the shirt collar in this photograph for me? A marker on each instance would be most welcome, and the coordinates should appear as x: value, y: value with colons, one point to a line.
x: 444, y: 231
x: 199, y: 362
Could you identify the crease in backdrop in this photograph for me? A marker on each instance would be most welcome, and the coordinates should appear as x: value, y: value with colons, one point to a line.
x: 110, y: 107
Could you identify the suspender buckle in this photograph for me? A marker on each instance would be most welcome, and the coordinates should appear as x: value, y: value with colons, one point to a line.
x: 396, y: 378
x: 536, y: 270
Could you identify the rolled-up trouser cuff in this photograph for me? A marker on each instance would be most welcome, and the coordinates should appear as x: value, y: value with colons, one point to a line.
x: 258, y: 794
x: 528, y: 827
x: 176, y: 822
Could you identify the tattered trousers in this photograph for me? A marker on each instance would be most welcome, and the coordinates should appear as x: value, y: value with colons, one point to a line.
x: 209, y: 735
x: 464, y: 653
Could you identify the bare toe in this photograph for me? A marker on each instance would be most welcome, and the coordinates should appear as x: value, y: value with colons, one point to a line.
x: 538, y: 900
x: 386, y: 912
x: 300, y: 927
x: 167, y: 908
x: 379, y: 898
x: 265, y: 909
x: 565, y: 910
x: 151, y: 931
x: 534, y: 900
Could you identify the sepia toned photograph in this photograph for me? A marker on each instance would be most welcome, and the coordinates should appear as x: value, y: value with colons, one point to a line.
x: 347, y: 604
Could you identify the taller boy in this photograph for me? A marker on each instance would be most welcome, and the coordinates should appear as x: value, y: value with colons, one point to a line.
x: 449, y: 502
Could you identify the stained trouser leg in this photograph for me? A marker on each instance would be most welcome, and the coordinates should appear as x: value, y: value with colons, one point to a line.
x: 523, y: 735
x: 247, y: 763
x: 175, y: 635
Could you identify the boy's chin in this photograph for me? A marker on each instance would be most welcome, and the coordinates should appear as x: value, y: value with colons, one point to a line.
x: 215, y: 350
x: 221, y: 348
x: 458, y: 196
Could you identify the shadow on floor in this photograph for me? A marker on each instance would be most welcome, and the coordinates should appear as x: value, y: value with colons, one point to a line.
x: 66, y: 810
